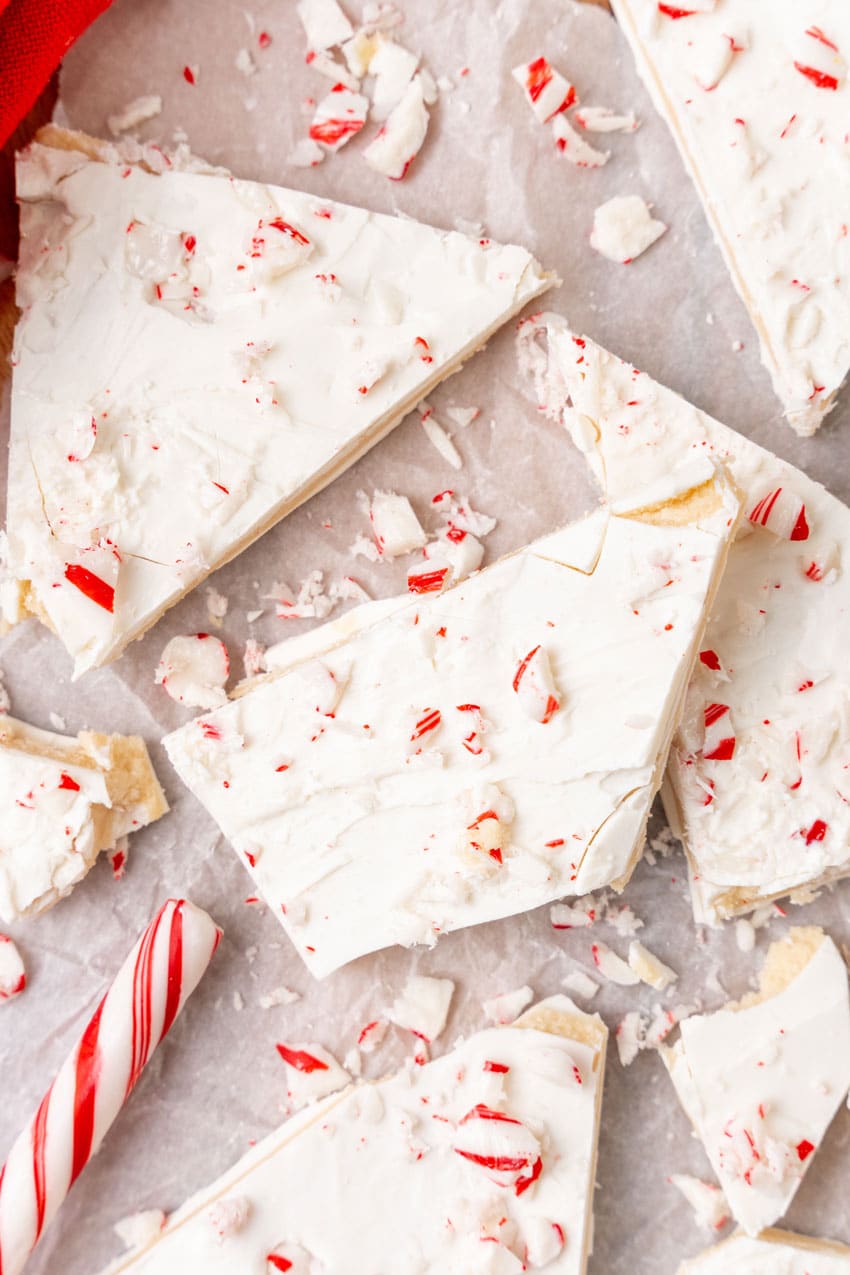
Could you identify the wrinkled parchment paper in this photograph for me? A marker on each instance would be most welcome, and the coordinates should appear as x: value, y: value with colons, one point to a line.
x: 217, y: 1082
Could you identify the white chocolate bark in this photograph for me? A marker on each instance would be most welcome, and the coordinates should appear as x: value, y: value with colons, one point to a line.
x: 428, y: 763
x: 198, y: 355
x: 773, y: 1253
x: 761, y: 1080
x: 774, y: 816
x: 62, y: 801
x: 757, y: 98
x: 398, y: 1167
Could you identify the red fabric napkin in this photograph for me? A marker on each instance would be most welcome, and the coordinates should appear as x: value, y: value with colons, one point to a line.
x: 34, y: 37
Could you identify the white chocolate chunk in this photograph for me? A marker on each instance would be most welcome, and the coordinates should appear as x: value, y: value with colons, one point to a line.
x: 761, y: 1080
x: 507, y: 1006
x: 428, y: 762
x: 757, y: 97
x: 705, y: 1198
x: 193, y: 670
x: 423, y: 1006
x: 497, y: 1139
x: 623, y: 228
x: 612, y: 966
x: 649, y: 968
x: 272, y: 377
x: 324, y: 23
x: 62, y: 801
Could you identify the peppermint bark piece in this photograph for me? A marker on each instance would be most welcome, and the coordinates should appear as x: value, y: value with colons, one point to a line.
x: 757, y: 99
x: 772, y: 1251
x: 62, y: 801
x: 758, y: 782
x: 198, y: 355
x: 428, y: 763
x: 762, y: 1079
x: 481, y: 1162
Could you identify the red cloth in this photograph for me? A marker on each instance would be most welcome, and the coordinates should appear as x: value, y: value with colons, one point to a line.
x: 34, y: 37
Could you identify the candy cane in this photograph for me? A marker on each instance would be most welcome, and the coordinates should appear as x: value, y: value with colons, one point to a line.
x: 151, y: 987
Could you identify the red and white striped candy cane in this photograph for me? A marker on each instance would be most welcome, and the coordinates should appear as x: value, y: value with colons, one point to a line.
x: 151, y: 987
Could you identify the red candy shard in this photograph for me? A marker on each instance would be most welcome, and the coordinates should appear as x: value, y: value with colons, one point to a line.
x: 820, y: 79
x: 95, y: 589
x: 301, y: 1060
x: 805, y: 1149
x: 66, y: 782
x: 817, y: 832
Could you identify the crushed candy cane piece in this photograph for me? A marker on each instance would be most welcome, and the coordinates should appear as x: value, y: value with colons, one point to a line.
x: 573, y: 146
x: 501, y: 1145
x: 507, y: 1007
x: 400, y: 139
x: 648, y: 967
x: 338, y: 117
x: 312, y: 1072
x: 613, y: 966
x: 324, y: 23
x: 705, y: 1198
x: 372, y: 1035
x: 395, y: 526
x: 217, y: 605
x: 570, y: 916
x: 623, y: 228
x: 245, y: 63
x: 745, y: 934
x: 438, y: 436
x: 720, y: 741
x: 193, y: 669
x: 630, y: 1037
x: 546, y: 90
x: 137, y: 112
x: 254, y: 658
x: 359, y: 51
x: 138, y: 1229
x: 278, y: 996
x: 463, y: 416
x: 393, y: 67
x: 348, y: 590
x: 819, y: 59
x: 227, y: 1217
x: 580, y: 984
x: 13, y: 978
x: 781, y: 512
x: 423, y: 1006
x: 535, y: 686
x: 601, y: 119
x: 453, y: 559
x: 310, y: 603
x: 543, y: 1239
x: 326, y: 64
x: 289, y: 1258
x: 306, y: 154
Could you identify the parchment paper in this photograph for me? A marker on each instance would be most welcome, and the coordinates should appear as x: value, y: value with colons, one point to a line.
x: 217, y: 1082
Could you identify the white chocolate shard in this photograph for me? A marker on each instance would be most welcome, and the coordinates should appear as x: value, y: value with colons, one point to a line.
x: 62, y: 801
x: 224, y: 347
x: 480, y: 1162
x: 757, y: 784
x: 324, y: 23
x: 772, y: 1253
x: 623, y: 228
x: 762, y: 1079
x: 649, y: 968
x: 428, y: 792
x: 757, y: 100
x: 423, y: 1006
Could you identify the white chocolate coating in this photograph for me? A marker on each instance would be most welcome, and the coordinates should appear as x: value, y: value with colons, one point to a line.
x: 761, y: 1082
x: 392, y: 780
x: 62, y: 801
x: 385, y: 1162
x: 774, y: 1253
x: 758, y: 103
x: 765, y: 821
x: 197, y: 356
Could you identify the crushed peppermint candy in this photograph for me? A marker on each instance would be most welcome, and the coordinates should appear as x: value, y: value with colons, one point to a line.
x: 193, y: 670
x: 580, y: 984
x: 535, y: 686
x: 138, y: 1229
x: 623, y: 228
x: 393, y: 67
x: 546, y: 90
x: 507, y: 1006
x: 423, y: 1006
x: 394, y: 148
x: 309, y: 603
x: 278, y: 996
x: 573, y: 146
x: 13, y: 978
x: 612, y: 966
x: 601, y: 119
x: 438, y: 435
x: 312, y: 1073
x: 324, y: 23
x: 649, y: 968
x: 338, y: 117
x: 506, y: 1150
x: 227, y: 1217
x: 137, y: 112
x: 217, y: 605
x: 395, y: 526
x: 705, y: 1198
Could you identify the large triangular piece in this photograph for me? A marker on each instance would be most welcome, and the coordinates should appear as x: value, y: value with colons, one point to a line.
x: 435, y: 762
x: 195, y: 357
x: 773, y: 1253
x: 757, y: 98
x: 480, y: 1163
x: 758, y: 785
x: 762, y: 1079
